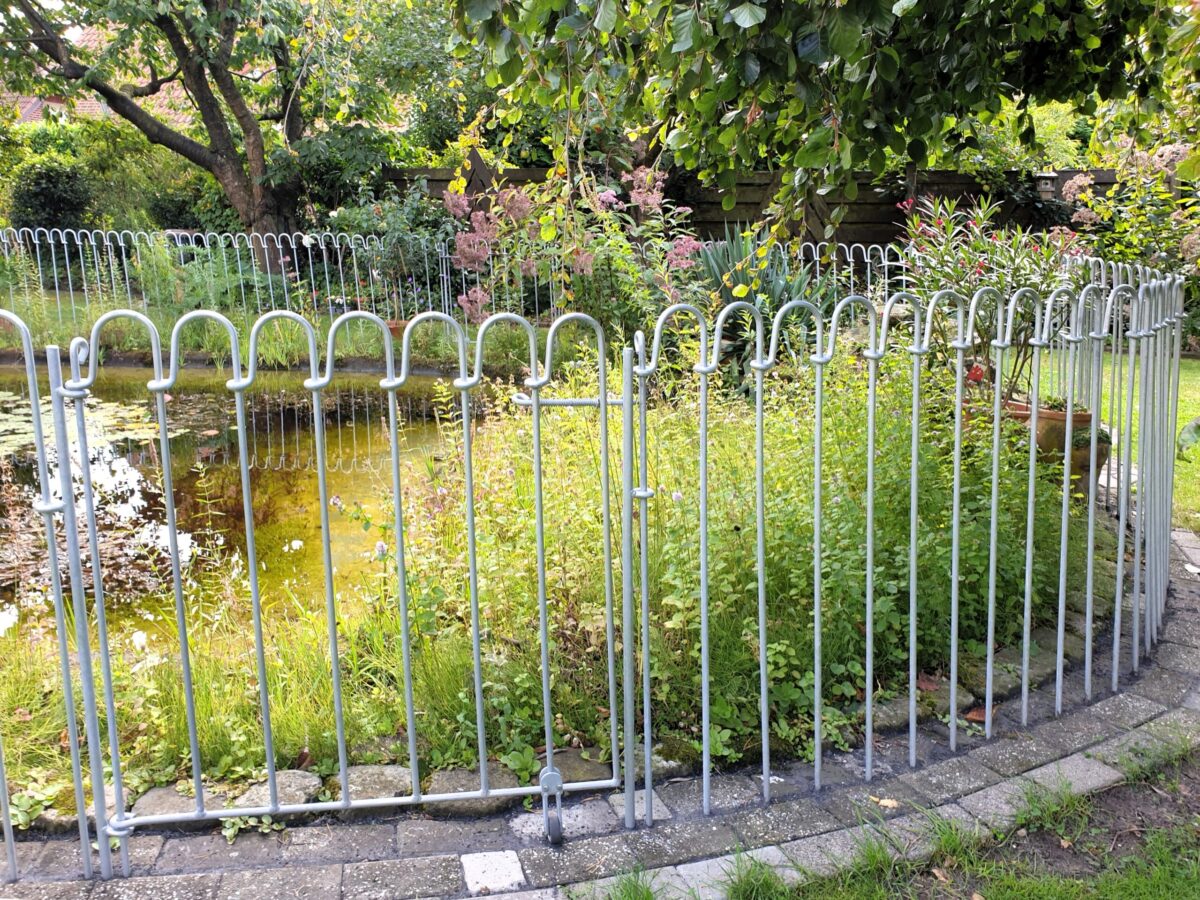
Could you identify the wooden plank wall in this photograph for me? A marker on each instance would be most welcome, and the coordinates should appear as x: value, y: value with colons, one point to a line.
x: 872, y: 217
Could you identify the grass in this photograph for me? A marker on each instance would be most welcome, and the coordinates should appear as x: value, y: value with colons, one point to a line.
x: 281, y: 344
x: 150, y: 715
x: 1187, y: 466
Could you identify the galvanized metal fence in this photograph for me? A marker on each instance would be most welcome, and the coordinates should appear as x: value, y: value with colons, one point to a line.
x: 71, y: 272
x: 1119, y: 335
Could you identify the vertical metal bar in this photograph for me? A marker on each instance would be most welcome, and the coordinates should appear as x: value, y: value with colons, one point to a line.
x: 473, y: 584
x: 627, y: 487
x: 410, y: 717
x: 705, y: 688
x: 89, y: 506
x: 1124, y: 485
x: 1035, y: 376
x: 760, y: 561
x: 644, y: 495
x: 999, y: 344
x: 83, y: 653
x: 540, y: 554
x: 818, y: 427
x: 913, y: 524
x: 1065, y: 515
x: 260, y: 660
x: 873, y: 356
x: 48, y: 508
x: 1093, y: 485
x: 318, y: 408
x: 955, y: 535
x: 1142, y: 460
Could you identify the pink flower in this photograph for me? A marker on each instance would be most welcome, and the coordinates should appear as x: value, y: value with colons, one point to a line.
x: 528, y: 267
x: 682, y: 254
x: 582, y: 262
x: 473, y: 302
x: 1077, y: 186
x: 608, y: 199
x: 456, y: 204
x: 514, y: 203
x: 645, y: 188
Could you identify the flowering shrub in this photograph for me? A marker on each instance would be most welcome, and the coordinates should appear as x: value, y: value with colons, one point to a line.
x: 960, y: 247
x: 620, y: 260
x: 1140, y: 219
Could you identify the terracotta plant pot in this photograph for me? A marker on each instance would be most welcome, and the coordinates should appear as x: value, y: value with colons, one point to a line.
x: 1052, y: 439
x: 396, y: 327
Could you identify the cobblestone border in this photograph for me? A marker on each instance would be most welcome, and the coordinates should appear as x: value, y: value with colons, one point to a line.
x: 687, y: 854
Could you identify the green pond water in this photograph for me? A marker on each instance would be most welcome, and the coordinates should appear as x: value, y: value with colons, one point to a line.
x: 123, y: 432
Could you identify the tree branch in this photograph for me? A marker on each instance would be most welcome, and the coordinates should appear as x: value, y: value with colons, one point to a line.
x: 45, y: 36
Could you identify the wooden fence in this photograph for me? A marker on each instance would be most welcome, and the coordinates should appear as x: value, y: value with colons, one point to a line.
x: 871, y: 218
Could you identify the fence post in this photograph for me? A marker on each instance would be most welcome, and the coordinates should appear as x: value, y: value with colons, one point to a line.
x: 627, y: 488
x: 91, y: 721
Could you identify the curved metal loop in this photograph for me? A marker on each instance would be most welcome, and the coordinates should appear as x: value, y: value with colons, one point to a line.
x: 872, y: 351
x: 666, y: 316
x: 331, y: 344
x: 87, y: 350
x: 552, y: 341
x: 719, y: 329
x: 235, y: 352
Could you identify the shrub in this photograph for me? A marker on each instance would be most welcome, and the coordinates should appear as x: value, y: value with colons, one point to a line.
x: 50, y: 192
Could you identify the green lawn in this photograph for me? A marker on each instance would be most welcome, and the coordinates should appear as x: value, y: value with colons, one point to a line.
x: 1187, y: 468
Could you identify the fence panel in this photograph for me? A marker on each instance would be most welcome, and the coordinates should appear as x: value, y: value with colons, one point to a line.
x: 901, y: 355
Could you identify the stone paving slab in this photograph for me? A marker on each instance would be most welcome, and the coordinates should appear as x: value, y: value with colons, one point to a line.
x: 787, y: 820
x: 593, y: 816
x: 658, y: 808
x: 1016, y: 754
x: 1163, y: 686
x: 678, y: 842
x: 46, y: 890
x: 875, y: 801
x: 1076, y: 731
x: 582, y: 860
x: 950, y: 779
x: 338, y: 843
x: 823, y: 854
x: 418, y: 837
x: 402, y: 879
x: 60, y: 859
x: 164, y: 887
x: 998, y: 806
x: 493, y: 872
x: 725, y: 792
x: 213, y: 853
x: 1178, y: 658
x: 296, y: 883
x: 1128, y: 710
x: 1079, y: 772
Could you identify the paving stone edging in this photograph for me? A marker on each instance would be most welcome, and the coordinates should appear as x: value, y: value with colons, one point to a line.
x: 982, y: 790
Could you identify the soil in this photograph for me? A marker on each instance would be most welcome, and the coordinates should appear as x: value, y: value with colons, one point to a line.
x: 1114, y: 828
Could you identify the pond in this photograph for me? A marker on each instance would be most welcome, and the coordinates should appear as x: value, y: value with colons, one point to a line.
x: 126, y: 470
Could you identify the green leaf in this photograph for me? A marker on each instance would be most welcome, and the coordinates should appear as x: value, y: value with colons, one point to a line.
x: 900, y: 7
x: 887, y: 63
x: 606, y: 16
x: 681, y: 30
x: 748, y: 15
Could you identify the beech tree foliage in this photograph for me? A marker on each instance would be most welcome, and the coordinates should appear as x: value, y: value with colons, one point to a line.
x: 818, y: 89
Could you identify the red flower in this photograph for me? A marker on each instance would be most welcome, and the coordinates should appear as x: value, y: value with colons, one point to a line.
x: 975, y: 374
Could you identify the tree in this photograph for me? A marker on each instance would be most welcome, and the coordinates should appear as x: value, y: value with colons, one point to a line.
x: 251, y: 92
x: 818, y: 89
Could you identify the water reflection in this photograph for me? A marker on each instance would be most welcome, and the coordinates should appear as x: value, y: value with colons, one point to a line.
x: 126, y: 470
